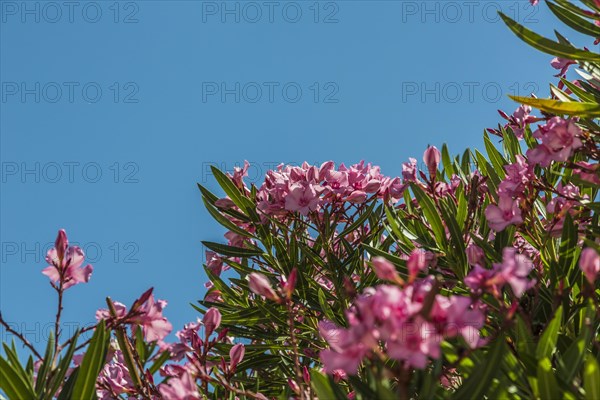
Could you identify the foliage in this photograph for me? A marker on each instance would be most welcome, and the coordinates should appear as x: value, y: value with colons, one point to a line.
x: 472, y: 278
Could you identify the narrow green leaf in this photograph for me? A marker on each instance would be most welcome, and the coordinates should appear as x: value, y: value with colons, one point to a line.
x: 547, y: 387
x: 561, y: 107
x: 46, y: 364
x: 547, y: 342
x: 231, y: 251
x: 547, y: 45
x: 479, y: 381
x: 63, y: 366
x: 85, y: 386
x: 14, y: 384
x: 431, y: 214
x: 591, y: 378
x: 574, y: 21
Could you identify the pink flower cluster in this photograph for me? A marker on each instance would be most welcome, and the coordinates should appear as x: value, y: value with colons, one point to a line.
x: 513, y: 270
x: 510, y: 191
x: 309, y: 188
x: 560, y: 138
x: 65, y: 261
x: 410, y: 322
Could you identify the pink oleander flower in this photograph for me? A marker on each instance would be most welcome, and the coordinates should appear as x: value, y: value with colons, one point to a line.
x: 259, y: 284
x: 475, y: 254
x: 65, y: 262
x: 588, y: 172
x: 518, y: 175
x: 302, y: 198
x: 409, y: 170
x: 562, y: 64
x: 145, y: 312
x: 415, y: 343
x: 182, y: 387
x: 385, y: 270
x: 589, y: 262
x: 515, y: 269
x: 116, y: 376
x: 560, y: 139
x: 431, y: 158
x: 506, y: 213
x: 154, y: 325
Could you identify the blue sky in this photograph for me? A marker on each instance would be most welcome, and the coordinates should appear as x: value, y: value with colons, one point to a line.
x: 112, y: 111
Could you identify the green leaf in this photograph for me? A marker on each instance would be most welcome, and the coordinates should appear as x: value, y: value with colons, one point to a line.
x: 159, y: 362
x: 591, y: 378
x: 561, y: 107
x: 63, y: 366
x: 547, y: 387
x: 85, y: 386
x: 479, y: 381
x: 231, y: 251
x: 571, y: 19
x: 447, y: 162
x: 46, y: 364
x: 547, y: 342
x: 14, y: 383
x: 233, y: 192
x: 322, y: 386
x: 431, y: 214
x: 547, y: 45
x: 223, y: 220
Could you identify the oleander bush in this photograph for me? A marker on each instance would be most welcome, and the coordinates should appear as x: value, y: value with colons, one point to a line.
x: 473, y: 278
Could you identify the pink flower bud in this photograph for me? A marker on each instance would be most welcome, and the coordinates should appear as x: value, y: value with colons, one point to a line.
x: 474, y: 254
x: 431, y: 158
x: 384, y: 269
x: 61, y: 244
x: 306, y: 375
x: 211, y: 321
x: 294, y: 386
x: 260, y: 285
x: 236, y: 355
x: 417, y: 261
x: 290, y: 284
x: 589, y: 262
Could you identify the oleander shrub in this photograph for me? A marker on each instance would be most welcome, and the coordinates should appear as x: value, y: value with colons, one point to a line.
x: 473, y: 277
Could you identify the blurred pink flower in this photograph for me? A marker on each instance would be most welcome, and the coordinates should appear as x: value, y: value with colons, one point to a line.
x: 384, y: 269
x: 260, y: 285
x: 182, y: 387
x: 589, y: 262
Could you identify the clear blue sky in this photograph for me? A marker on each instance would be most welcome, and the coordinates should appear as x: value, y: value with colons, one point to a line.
x: 111, y: 112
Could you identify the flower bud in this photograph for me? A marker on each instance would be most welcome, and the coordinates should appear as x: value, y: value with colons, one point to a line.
x: 211, y: 321
x: 236, y: 355
x: 306, y: 375
x: 417, y: 261
x: 260, y: 285
x: 474, y: 254
x: 384, y: 269
x: 61, y: 244
x: 431, y: 158
x: 290, y: 284
x: 589, y: 262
